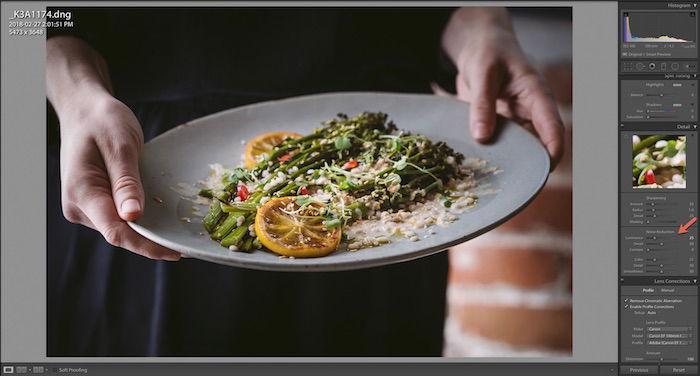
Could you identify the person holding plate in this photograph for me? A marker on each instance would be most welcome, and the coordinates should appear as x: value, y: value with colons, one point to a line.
x: 122, y: 76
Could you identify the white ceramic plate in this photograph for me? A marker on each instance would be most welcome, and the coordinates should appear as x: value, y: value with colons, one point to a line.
x: 182, y: 155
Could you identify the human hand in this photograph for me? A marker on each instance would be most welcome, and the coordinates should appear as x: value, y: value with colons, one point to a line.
x: 101, y: 140
x: 100, y: 144
x: 496, y: 78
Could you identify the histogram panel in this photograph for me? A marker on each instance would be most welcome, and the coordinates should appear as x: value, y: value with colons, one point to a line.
x: 658, y: 34
x: 659, y: 27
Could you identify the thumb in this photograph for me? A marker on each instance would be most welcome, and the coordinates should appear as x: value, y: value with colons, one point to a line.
x: 485, y: 83
x: 127, y: 191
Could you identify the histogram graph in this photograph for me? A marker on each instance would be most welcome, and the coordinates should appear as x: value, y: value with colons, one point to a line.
x: 662, y: 27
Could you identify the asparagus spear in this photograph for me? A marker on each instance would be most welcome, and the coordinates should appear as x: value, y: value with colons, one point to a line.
x: 213, y: 217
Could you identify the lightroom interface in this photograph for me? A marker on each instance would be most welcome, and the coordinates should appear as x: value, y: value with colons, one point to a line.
x: 354, y: 188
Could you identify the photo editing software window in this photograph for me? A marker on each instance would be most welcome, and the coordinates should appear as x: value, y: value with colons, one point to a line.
x: 352, y: 188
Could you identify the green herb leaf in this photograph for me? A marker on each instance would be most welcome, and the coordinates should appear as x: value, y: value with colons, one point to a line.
x: 303, y: 200
x: 670, y: 149
x: 343, y: 143
x: 446, y: 202
x: 347, y: 184
x: 332, y: 223
x: 392, y: 179
x: 401, y: 164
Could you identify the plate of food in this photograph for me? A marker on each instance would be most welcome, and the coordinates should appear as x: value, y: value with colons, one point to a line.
x: 333, y: 181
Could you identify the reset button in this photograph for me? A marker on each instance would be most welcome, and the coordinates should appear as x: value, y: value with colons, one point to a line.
x: 679, y: 370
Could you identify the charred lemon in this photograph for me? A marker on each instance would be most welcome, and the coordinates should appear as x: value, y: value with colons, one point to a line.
x: 291, y: 230
x: 263, y: 144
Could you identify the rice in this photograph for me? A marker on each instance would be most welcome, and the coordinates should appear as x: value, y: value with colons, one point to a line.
x: 413, y: 218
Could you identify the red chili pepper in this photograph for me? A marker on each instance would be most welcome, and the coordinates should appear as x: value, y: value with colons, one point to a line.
x: 303, y: 191
x: 649, y: 177
x: 285, y: 157
x: 243, y: 192
x: 350, y: 164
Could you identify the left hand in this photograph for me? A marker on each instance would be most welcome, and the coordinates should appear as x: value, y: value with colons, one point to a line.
x: 496, y: 78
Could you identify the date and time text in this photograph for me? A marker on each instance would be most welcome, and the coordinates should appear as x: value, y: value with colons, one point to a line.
x: 35, y: 22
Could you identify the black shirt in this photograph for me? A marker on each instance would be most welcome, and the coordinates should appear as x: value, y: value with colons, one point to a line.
x: 172, y: 53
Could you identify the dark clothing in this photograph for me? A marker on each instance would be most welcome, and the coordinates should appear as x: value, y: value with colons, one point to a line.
x: 176, y: 53
x: 173, y: 65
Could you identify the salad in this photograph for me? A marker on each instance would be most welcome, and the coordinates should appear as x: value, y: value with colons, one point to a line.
x: 658, y: 161
x: 357, y: 181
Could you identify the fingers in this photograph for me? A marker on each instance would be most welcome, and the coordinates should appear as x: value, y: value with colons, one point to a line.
x: 99, y: 207
x: 100, y: 184
x: 484, y: 83
x: 548, y: 124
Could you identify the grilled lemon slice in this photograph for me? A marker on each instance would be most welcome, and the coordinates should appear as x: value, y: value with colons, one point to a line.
x: 284, y: 229
x: 263, y: 144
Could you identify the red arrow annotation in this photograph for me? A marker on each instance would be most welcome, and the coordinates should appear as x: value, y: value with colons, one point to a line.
x: 684, y: 228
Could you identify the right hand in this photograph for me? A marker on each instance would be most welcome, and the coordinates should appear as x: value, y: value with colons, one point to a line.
x: 101, y: 140
x: 496, y: 78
